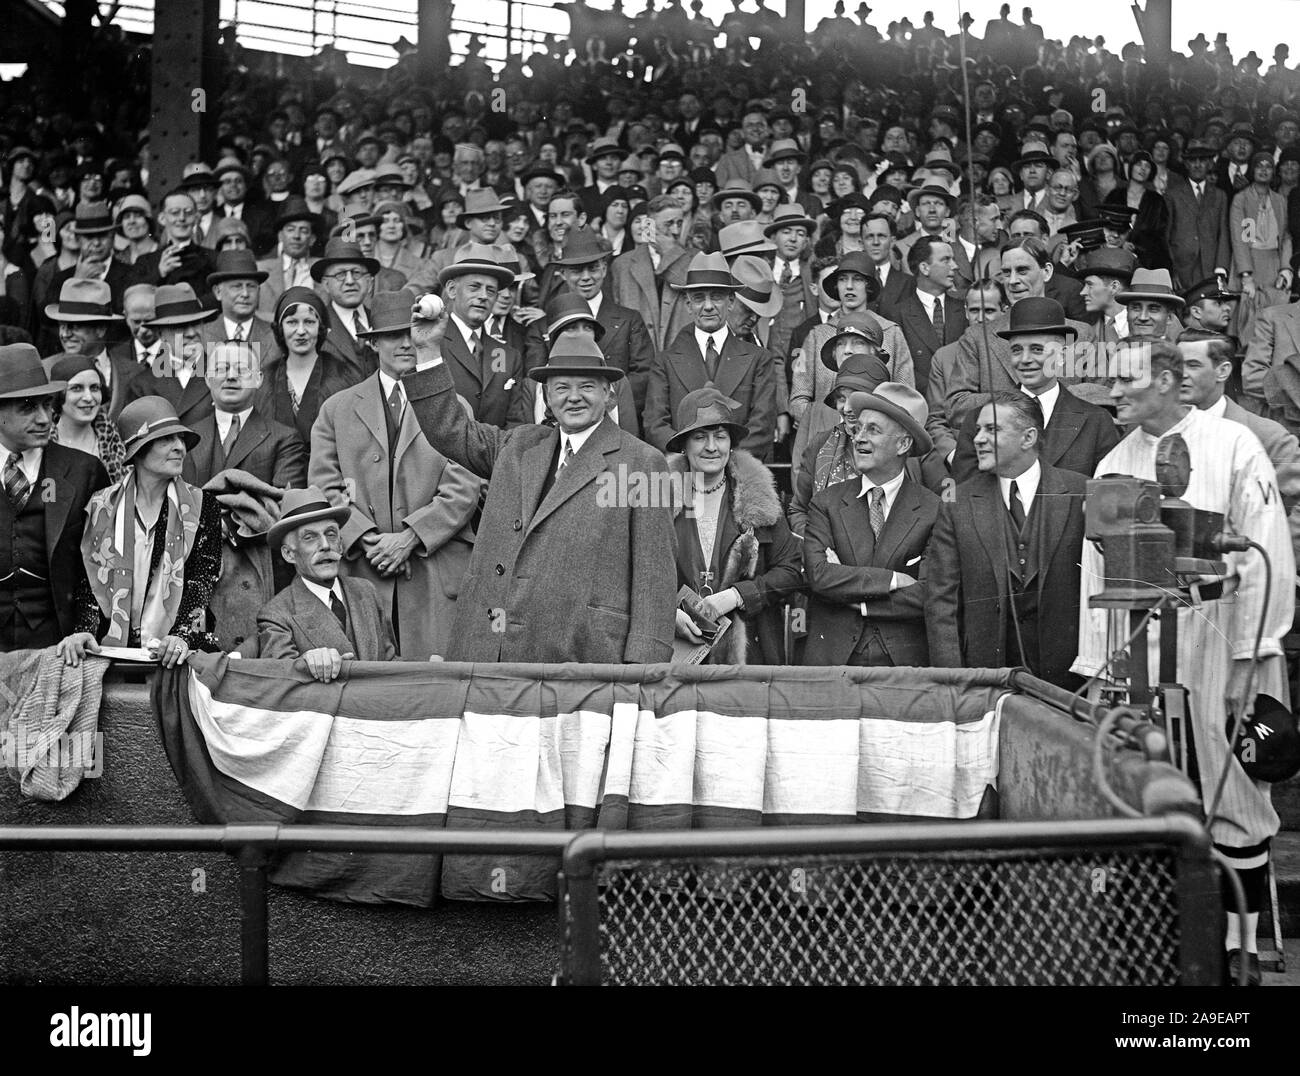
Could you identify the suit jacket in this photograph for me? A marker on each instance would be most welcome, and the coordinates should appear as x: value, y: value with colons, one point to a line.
x: 635, y: 287
x: 270, y: 290
x: 798, y: 300
x: 744, y: 374
x: 963, y: 272
x: 918, y: 329
x: 295, y: 621
x: 1068, y: 291
x: 1198, y: 235
x: 354, y: 353
x: 125, y: 367
x: 936, y: 397
x: 1280, y: 444
x: 838, y: 520
x: 196, y: 263
x: 1223, y: 178
x: 260, y: 219
x: 485, y: 384
x: 260, y: 335
x: 1274, y: 345
x: 581, y: 572
x: 968, y: 593
x: 734, y: 165
x: 430, y: 495
x: 65, y: 482
x: 193, y: 403
x: 1077, y: 438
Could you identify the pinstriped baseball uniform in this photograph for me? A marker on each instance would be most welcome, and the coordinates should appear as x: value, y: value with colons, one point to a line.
x: 1230, y: 474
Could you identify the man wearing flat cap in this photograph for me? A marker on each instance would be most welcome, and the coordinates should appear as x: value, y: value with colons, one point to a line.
x: 571, y: 563
x: 410, y: 529
x: 864, y: 544
x: 322, y: 617
x: 42, y: 509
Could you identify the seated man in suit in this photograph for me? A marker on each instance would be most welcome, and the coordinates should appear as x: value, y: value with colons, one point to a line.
x: 866, y: 538
x: 321, y: 617
x: 712, y: 354
x: 179, y: 260
x: 139, y: 351
x: 177, y: 375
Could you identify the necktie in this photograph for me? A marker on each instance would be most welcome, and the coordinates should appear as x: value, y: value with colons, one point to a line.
x: 240, y: 330
x: 1238, y: 176
x: 711, y: 360
x: 1196, y: 189
x: 564, y: 460
x: 786, y: 274
x: 1111, y: 335
x: 1017, y: 507
x: 228, y: 442
x: 877, y: 510
x: 358, y: 326
x: 16, y: 484
x: 336, y: 607
x: 937, y: 318
x: 395, y: 404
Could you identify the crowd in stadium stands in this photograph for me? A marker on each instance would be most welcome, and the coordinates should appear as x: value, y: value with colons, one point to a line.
x: 828, y: 330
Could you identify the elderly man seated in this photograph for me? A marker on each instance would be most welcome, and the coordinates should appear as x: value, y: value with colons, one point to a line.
x: 321, y: 617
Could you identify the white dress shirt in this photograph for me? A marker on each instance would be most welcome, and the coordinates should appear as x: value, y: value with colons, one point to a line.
x: 702, y: 339
x: 594, y: 302
x: 1218, y: 409
x: 232, y: 326
x: 323, y: 593
x: 1026, y: 486
x: 224, y: 418
x: 465, y: 331
x: 29, y: 463
x: 927, y: 301
x: 1047, y: 401
x: 890, y: 489
x: 345, y: 316
x: 386, y: 385
x: 576, y: 440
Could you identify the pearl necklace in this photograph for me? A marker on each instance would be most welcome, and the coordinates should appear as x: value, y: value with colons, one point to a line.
x: 714, y: 489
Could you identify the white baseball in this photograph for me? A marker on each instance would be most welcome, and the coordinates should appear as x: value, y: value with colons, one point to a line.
x: 428, y: 308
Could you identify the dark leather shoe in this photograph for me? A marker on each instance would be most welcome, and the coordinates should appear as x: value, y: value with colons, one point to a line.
x: 1253, y: 975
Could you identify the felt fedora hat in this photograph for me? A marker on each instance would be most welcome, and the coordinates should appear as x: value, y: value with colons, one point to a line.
x: 704, y: 409
x: 390, y: 312
x: 758, y: 289
x: 1198, y: 147
x: 856, y: 261
x: 575, y: 356
x: 904, y: 405
x: 338, y: 251
x: 479, y: 204
x: 295, y: 208
x: 83, y: 300
x: 1149, y: 284
x: 744, y: 237
x: 938, y: 190
x: 541, y: 171
x: 781, y: 150
x: 236, y: 265
x: 145, y: 420
x: 566, y: 308
x: 1034, y: 153
x: 583, y: 246
x: 176, y: 304
x: 603, y: 147
x: 736, y: 188
x: 22, y: 374
x: 1037, y: 315
x: 301, y: 506
x: 508, y: 258
x: 787, y: 216
x: 92, y: 218
x: 707, y: 271
x: 859, y: 324
x: 477, y: 258
x: 861, y: 371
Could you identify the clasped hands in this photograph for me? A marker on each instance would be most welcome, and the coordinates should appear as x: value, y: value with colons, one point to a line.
x: 390, y: 552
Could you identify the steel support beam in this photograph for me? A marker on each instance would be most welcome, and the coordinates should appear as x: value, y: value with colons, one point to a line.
x: 434, y: 28
x: 186, y: 92
x: 795, y: 17
x: 1157, y: 26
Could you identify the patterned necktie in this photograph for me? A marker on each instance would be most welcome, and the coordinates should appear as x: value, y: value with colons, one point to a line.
x: 877, y: 511
x: 336, y: 607
x: 228, y: 442
x: 786, y: 274
x: 937, y: 318
x: 564, y: 460
x: 1110, y: 332
x: 711, y: 360
x: 1197, y: 189
x: 240, y: 330
x: 16, y: 484
x: 1017, y: 507
x: 358, y: 326
x: 395, y: 404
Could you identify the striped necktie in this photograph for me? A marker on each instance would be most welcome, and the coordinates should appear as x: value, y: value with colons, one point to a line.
x: 16, y: 484
x: 877, y: 510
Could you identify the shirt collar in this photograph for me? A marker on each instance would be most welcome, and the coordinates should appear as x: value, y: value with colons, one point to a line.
x: 323, y: 593
x: 232, y: 325
x: 30, y: 462
x: 1219, y: 408
x: 891, y: 488
x: 1047, y: 401
x: 465, y: 330
x: 1026, y: 486
x: 577, y: 440
x: 719, y: 339
x: 388, y: 383
x: 223, y: 419
x: 594, y: 302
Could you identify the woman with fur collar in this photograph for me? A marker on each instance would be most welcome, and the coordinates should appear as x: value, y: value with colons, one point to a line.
x: 734, y: 547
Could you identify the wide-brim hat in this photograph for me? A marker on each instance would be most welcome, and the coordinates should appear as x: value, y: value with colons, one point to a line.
x: 758, y: 289
x: 783, y: 149
x: 1149, y: 284
x: 583, y: 246
x: 1037, y: 315
x: 566, y: 308
x: 176, y: 304
x: 938, y: 190
x: 340, y: 252
x: 477, y: 258
x: 575, y: 356
x: 302, y: 506
x: 789, y: 216
x: 236, y: 265
x: 737, y: 188
x: 744, y: 237
x: 390, y: 312
x: 859, y: 324
x: 904, y: 405
x: 856, y: 261
x: 704, y: 409
x: 22, y: 374
x: 707, y: 272
x: 145, y: 420
x: 479, y: 204
x: 83, y: 301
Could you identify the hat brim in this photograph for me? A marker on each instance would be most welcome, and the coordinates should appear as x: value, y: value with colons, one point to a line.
x: 853, y: 382
x: 103, y: 230
x: 831, y: 285
x: 1160, y: 297
x: 541, y: 373
x: 281, y: 529
x: 735, y: 429
x: 191, y: 439
x: 574, y: 261
x: 1039, y: 330
x: 922, y: 443
x: 184, y: 319
x: 259, y: 276
x: 52, y: 312
x: 705, y: 287
x: 504, y: 277
x: 318, y: 268
x: 498, y: 210
x: 36, y: 390
x: 768, y: 309
x: 828, y: 349
x: 789, y: 222
x: 568, y: 319
x: 750, y: 196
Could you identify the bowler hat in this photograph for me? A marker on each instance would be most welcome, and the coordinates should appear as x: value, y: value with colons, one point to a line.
x: 92, y: 218
x: 575, y: 356
x: 904, y: 405
x: 302, y: 506
x: 236, y: 265
x: 148, y: 418
x: 176, y: 304
x: 583, y: 246
x: 859, y: 324
x: 1108, y: 261
x: 1037, y: 315
x: 856, y: 261
x: 479, y: 204
x: 861, y: 371
x: 788, y: 216
x: 744, y: 237
x: 703, y: 409
x: 708, y: 271
x: 390, y: 312
x: 737, y: 188
x: 782, y: 149
x: 339, y: 251
x: 1268, y: 747
x: 566, y: 308
x: 22, y: 374
x: 1149, y: 284
x: 83, y: 300
x: 477, y: 258
x: 758, y: 289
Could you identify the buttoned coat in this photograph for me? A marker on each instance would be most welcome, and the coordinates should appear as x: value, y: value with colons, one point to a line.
x: 665, y: 312
x: 1271, y: 368
x: 270, y: 290
x: 1198, y: 235
x: 433, y: 496
x: 193, y: 402
x: 922, y: 339
x: 354, y: 353
x: 295, y: 621
x: 584, y: 573
x: 487, y: 386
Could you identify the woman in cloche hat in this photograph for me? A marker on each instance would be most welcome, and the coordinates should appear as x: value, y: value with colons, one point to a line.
x: 81, y: 412
x: 152, y: 545
x: 734, y: 547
